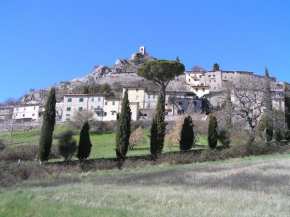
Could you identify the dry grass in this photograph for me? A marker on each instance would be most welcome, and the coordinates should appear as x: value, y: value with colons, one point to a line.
x: 259, y: 188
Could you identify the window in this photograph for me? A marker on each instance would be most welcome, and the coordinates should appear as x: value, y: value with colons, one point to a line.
x: 148, y: 96
x: 67, y: 115
x: 203, y: 89
x: 137, y: 97
x: 106, y: 103
x: 180, y: 103
x: 200, y: 76
x: 93, y: 99
x: 214, y: 81
x: 105, y: 113
x: 148, y: 105
x: 113, y: 113
x: 33, y: 114
x: 69, y: 99
x: 23, y: 115
x: 24, y: 109
x: 225, y: 77
x: 137, y: 89
x: 113, y: 103
x: 99, y: 99
x: 98, y: 107
x: 92, y: 107
x: 153, y: 95
x: 213, y: 75
x: 188, y: 79
x: 68, y: 109
x: 196, y: 90
x: 209, y: 76
x: 34, y: 108
x: 81, y: 99
x: 80, y: 109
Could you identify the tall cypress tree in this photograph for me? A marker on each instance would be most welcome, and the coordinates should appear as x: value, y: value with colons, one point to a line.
x: 186, y: 135
x: 212, y: 133
x: 123, y: 128
x: 47, y: 127
x: 215, y: 67
x: 85, y: 145
x: 287, y: 106
x: 158, y: 127
x: 269, y: 108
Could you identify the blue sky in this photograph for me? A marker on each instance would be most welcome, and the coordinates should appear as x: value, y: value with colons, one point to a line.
x: 45, y: 42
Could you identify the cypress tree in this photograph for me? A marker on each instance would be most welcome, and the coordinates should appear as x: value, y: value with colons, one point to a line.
x: 287, y: 106
x: 212, y: 133
x: 269, y: 108
x: 85, y: 145
x: 47, y: 127
x: 215, y: 67
x: 153, y: 138
x: 158, y: 127
x: 186, y: 135
x: 123, y: 128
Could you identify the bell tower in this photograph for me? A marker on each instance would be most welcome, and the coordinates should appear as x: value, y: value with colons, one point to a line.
x: 142, y: 50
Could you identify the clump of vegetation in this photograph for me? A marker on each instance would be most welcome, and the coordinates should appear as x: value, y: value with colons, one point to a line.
x: 67, y: 146
x: 47, y: 127
x: 186, y: 135
x: 212, y: 131
x: 85, y: 145
x: 2, y: 145
x: 106, y: 89
x: 136, y: 138
x: 174, y: 135
x: 224, y: 137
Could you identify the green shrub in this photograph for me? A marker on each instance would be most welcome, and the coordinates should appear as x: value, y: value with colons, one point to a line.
x: 2, y: 145
x: 67, y: 146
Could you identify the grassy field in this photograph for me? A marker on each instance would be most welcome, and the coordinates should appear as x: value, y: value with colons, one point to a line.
x: 256, y: 186
x: 103, y: 143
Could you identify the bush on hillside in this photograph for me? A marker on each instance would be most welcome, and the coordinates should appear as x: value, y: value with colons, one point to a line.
x: 136, y: 138
x: 2, y: 145
x: 67, y: 146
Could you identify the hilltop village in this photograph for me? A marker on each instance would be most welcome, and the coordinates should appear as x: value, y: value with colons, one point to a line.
x: 193, y: 91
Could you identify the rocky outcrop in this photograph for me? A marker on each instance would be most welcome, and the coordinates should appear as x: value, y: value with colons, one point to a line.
x: 123, y: 72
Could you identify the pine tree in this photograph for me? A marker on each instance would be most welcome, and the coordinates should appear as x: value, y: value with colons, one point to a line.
x: 158, y: 127
x: 85, y: 145
x: 269, y: 108
x: 47, y: 127
x: 177, y: 59
x: 212, y: 134
x: 186, y: 135
x: 123, y: 128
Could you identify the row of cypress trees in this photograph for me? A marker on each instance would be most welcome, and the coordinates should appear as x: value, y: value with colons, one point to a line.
x: 157, y: 131
x: 47, y: 129
x: 123, y: 132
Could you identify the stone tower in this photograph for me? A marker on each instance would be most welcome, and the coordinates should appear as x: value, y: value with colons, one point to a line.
x: 142, y: 50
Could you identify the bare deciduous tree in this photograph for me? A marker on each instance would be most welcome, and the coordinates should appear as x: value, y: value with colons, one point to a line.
x: 247, y: 103
x: 80, y: 117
